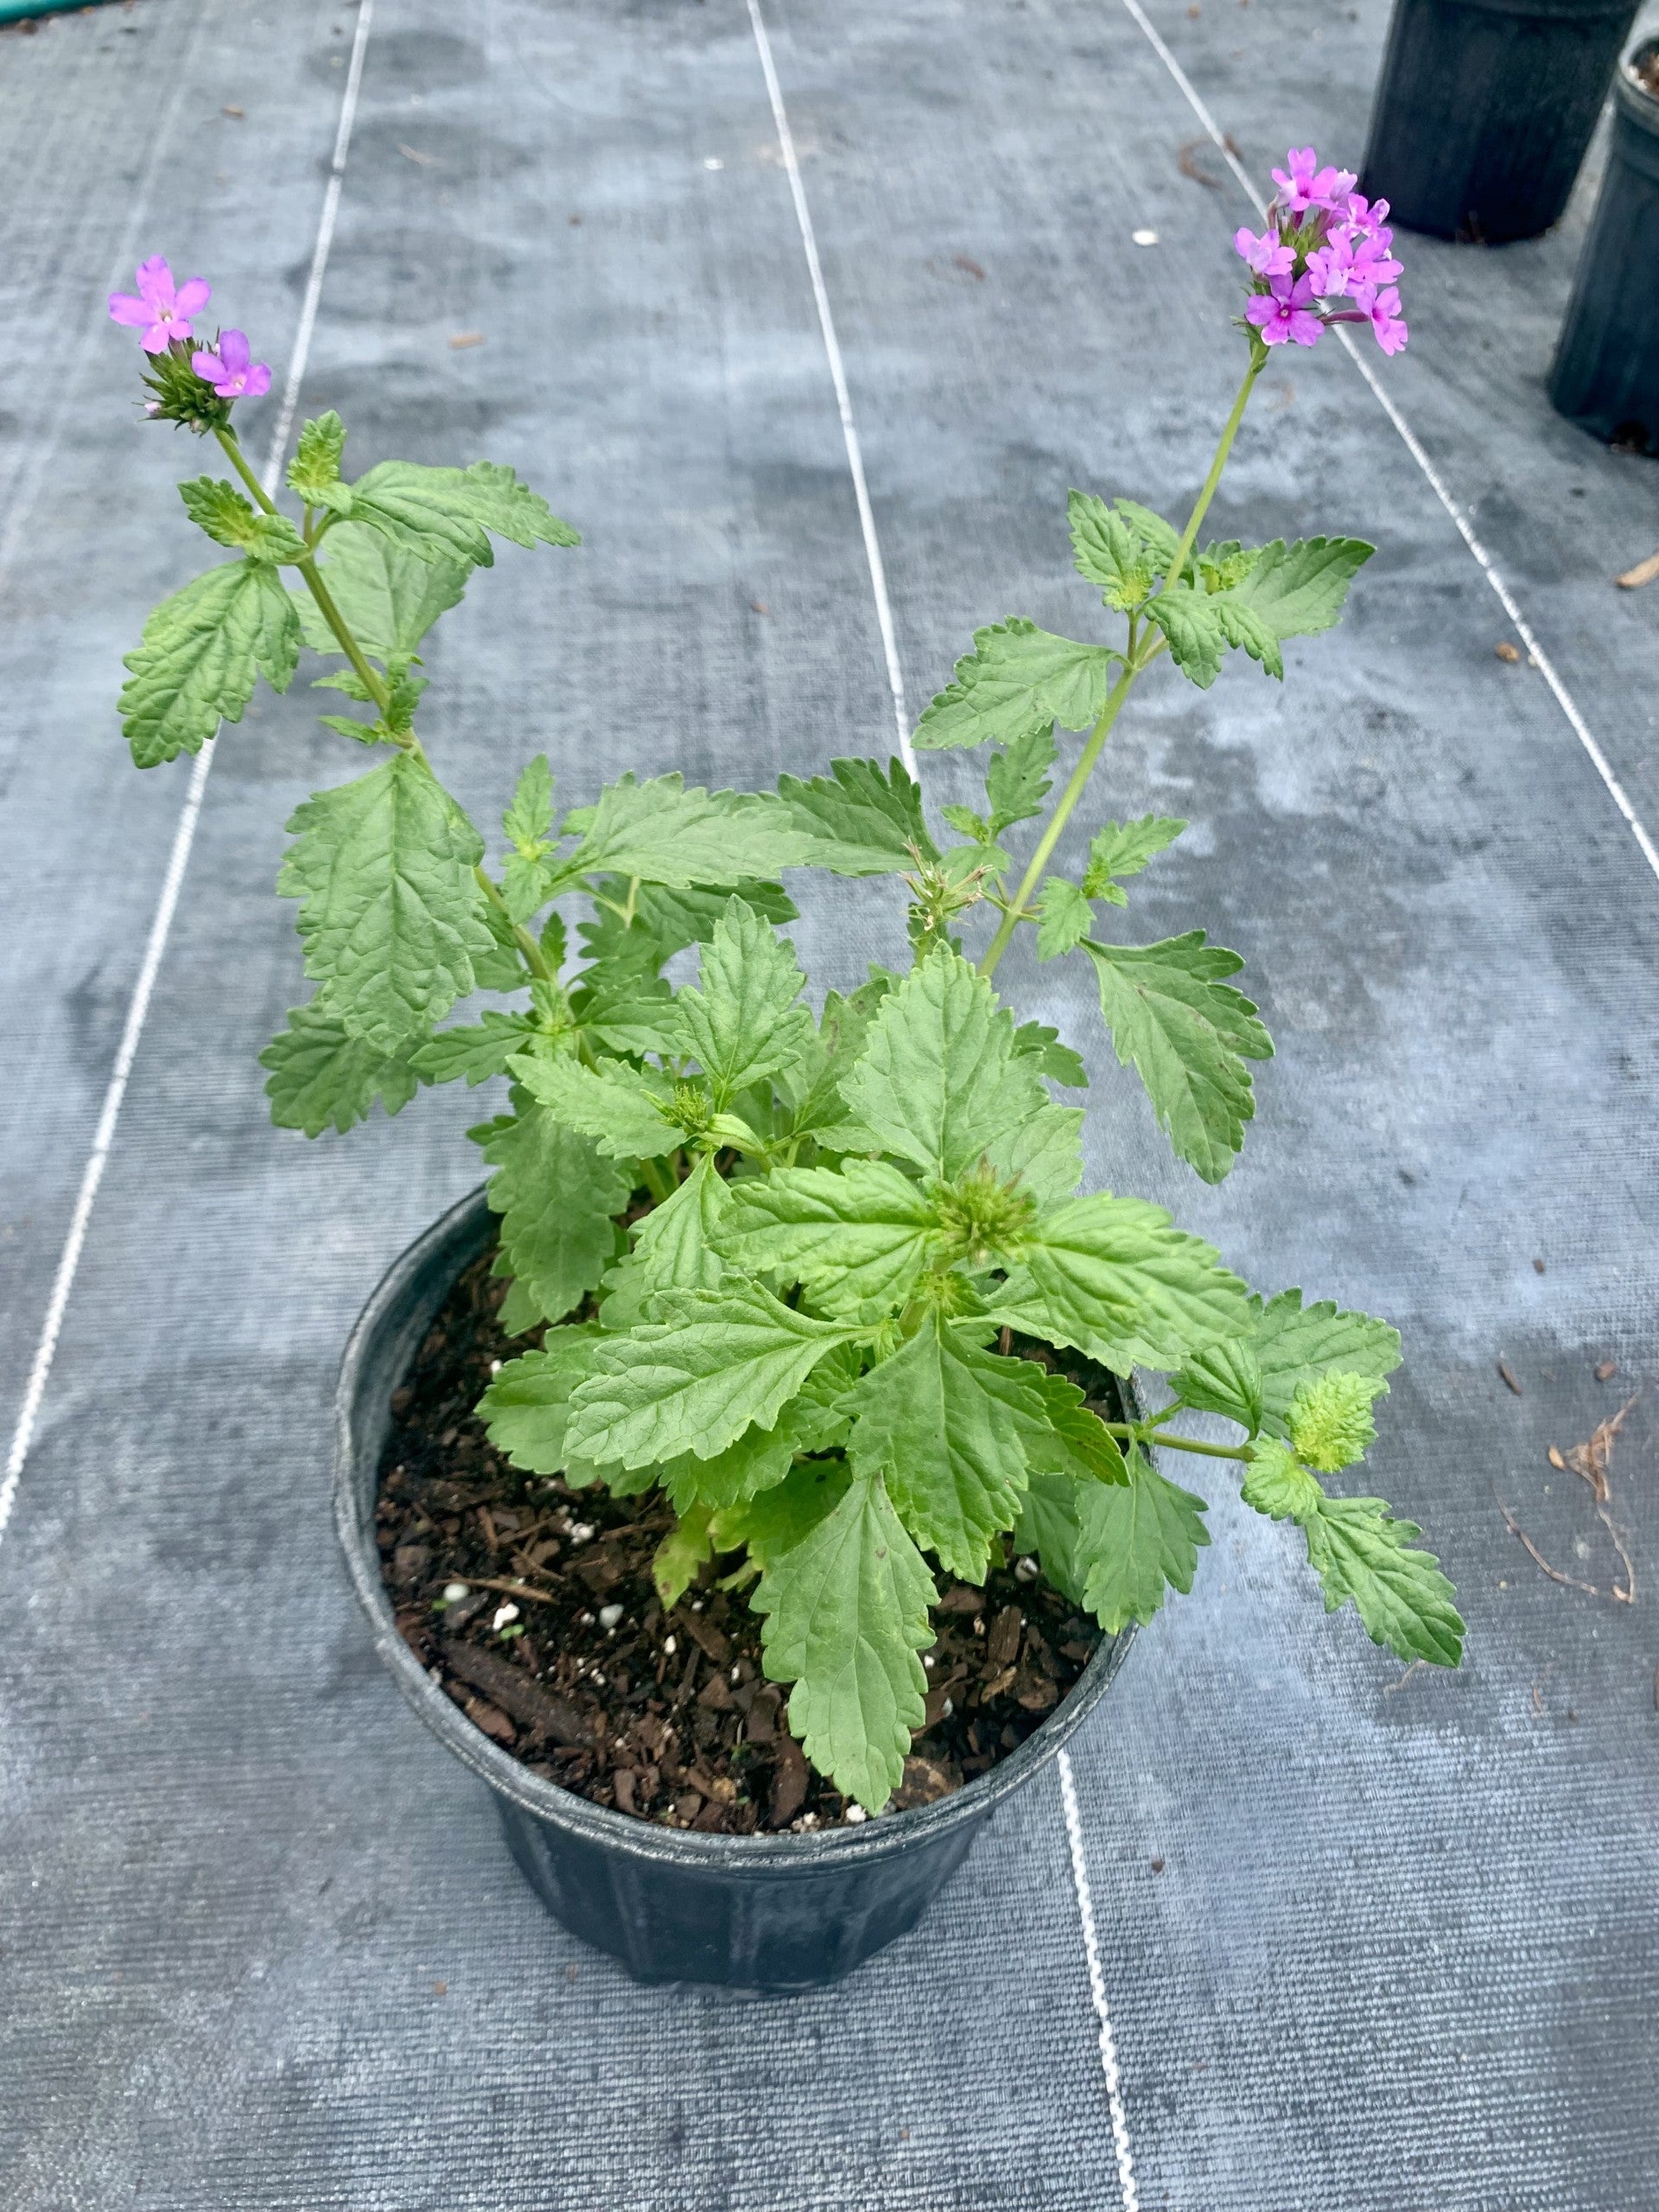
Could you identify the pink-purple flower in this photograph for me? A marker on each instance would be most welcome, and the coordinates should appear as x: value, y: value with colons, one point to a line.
x: 1268, y: 256
x: 1324, y: 258
x: 233, y: 371
x: 1284, y: 313
x: 161, y: 308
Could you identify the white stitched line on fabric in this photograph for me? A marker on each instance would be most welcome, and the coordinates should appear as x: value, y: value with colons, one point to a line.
x: 843, y: 398
x: 1126, y: 2183
x: 183, y: 837
x: 1564, y: 698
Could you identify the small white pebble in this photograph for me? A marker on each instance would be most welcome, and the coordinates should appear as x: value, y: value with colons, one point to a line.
x: 1026, y: 1570
x: 669, y: 1645
x: 713, y: 162
x: 735, y: 1674
x: 581, y: 1532
x: 495, y: 1367
x: 979, y: 1624
x: 455, y: 1592
x: 927, y: 1659
x: 696, y: 1605
x: 949, y: 1708
x: 855, y: 1814
x: 1144, y: 238
x: 597, y: 1677
x: 503, y: 1614
x: 587, y: 1620
x: 609, y: 1615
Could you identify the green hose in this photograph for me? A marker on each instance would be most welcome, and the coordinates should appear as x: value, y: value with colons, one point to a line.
x: 15, y: 11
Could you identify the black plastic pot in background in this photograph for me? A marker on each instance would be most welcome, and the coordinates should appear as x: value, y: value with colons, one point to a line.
x: 1606, y: 374
x: 775, y: 1912
x: 1484, y: 108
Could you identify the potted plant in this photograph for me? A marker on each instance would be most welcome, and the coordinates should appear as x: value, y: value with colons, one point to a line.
x: 808, y: 1504
x: 1606, y: 372
x: 1483, y: 112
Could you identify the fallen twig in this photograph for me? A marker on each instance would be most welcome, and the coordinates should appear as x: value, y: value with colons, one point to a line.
x: 1642, y: 572
x: 1568, y: 1581
x: 1590, y: 1461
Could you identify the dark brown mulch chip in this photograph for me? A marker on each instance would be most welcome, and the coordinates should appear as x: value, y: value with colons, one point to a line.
x: 670, y: 1720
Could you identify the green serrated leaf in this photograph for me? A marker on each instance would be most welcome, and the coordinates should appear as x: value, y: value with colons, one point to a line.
x: 1117, y: 1280
x: 1255, y: 1380
x: 812, y: 1089
x: 663, y: 833
x: 1187, y: 1034
x: 557, y: 1199
x: 1123, y: 849
x: 1037, y: 1041
x: 527, y: 1408
x: 1298, y: 590
x: 475, y: 1053
x: 527, y: 885
x: 626, y: 1013
x: 1017, y: 781
x: 1191, y: 620
x: 618, y: 1106
x: 1043, y: 1154
x: 313, y: 473
x: 857, y: 1237
x: 1067, y: 918
x: 772, y: 1522
x: 1110, y: 552
x: 939, y: 1081
x: 220, y: 508
x: 448, y: 514
x: 693, y: 1379
x: 938, y: 1421
x: 1362, y: 1554
x: 1275, y: 1485
x: 860, y: 819
x: 1135, y: 1540
x: 391, y: 914
x: 388, y: 597
x: 846, y: 1612
x: 528, y: 823
x: 502, y: 967
x: 741, y: 1021
x: 662, y: 921
x: 758, y: 1461
x: 323, y: 1076
x: 675, y: 1249
x: 203, y: 651
x: 1060, y: 1436
x: 1018, y: 681
x: 1161, y: 539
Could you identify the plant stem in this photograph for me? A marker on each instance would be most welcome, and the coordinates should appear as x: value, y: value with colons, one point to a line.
x: 1138, y: 658
x: 370, y: 677
x: 1134, y: 1435
x: 1189, y: 536
x: 1061, y: 815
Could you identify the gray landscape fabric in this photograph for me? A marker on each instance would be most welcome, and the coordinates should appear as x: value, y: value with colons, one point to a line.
x: 1368, y: 1938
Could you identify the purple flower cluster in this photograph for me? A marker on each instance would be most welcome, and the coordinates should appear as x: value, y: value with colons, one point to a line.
x: 165, y: 312
x: 1324, y: 258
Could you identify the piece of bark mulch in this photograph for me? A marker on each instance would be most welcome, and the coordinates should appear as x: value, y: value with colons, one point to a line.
x: 560, y: 1651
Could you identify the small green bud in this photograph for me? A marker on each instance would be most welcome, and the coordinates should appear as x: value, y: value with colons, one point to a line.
x: 691, y: 1109
x: 980, y: 1217
x: 1330, y: 1423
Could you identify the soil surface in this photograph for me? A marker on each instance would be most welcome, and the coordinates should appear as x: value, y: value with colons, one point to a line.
x: 534, y: 1605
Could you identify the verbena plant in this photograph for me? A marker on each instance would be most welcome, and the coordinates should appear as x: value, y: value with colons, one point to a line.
x: 804, y: 1245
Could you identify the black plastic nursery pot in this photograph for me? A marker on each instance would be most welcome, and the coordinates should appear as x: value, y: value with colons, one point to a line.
x: 774, y: 1913
x: 1484, y: 108
x: 1606, y: 372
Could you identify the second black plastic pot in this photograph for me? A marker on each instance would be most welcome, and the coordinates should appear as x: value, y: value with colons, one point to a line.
x: 1484, y: 108
x: 773, y: 1913
x: 1606, y: 372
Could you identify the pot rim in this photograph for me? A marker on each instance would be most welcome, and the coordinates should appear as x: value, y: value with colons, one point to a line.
x: 876, y: 1838
x: 1639, y: 102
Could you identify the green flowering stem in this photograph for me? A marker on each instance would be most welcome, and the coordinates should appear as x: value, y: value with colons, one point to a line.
x: 1061, y: 814
x: 1140, y: 656
x: 1224, y: 446
x: 370, y: 677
